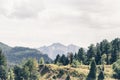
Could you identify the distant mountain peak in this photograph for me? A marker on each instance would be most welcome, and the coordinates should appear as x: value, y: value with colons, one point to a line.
x: 58, y: 48
x: 57, y: 44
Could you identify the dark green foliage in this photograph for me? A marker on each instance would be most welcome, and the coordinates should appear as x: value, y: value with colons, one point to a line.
x: 18, y: 73
x: 104, y: 52
x: 101, y: 75
x: 57, y: 59
x: 68, y: 77
x: 91, y: 52
x: 64, y: 60
x: 3, y: 66
x: 115, y: 49
x: 27, y: 71
x: 98, y: 55
x: 92, y: 72
x: 76, y: 56
x: 81, y: 55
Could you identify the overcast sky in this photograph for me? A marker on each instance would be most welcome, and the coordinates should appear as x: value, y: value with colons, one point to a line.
x: 35, y: 23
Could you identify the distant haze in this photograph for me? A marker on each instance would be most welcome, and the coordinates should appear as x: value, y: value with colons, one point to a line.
x: 35, y: 23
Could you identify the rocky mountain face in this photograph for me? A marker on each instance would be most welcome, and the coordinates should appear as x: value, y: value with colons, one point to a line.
x: 58, y: 48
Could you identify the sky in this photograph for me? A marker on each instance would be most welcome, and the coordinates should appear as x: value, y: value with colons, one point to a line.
x: 34, y: 23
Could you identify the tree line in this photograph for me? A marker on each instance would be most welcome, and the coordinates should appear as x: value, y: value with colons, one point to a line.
x: 27, y: 70
x: 104, y: 52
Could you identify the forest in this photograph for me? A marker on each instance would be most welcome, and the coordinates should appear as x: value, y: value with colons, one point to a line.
x: 101, y: 61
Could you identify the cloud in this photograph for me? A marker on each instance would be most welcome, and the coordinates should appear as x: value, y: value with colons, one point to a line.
x: 103, y: 14
x: 67, y: 21
x: 21, y: 8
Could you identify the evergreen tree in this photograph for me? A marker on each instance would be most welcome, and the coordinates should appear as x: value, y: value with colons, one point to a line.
x: 101, y: 75
x: 91, y: 53
x: 57, y: 59
x: 3, y: 66
x: 76, y: 56
x: 33, y: 67
x: 26, y: 72
x: 64, y: 60
x: 115, y: 50
x: 98, y: 54
x: 41, y: 60
x: 92, y: 72
x: 18, y: 73
x: 103, y: 46
x: 81, y: 55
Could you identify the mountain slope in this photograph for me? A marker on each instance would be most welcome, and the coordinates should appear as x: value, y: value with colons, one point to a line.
x: 58, y: 48
x: 4, y: 47
x: 17, y: 54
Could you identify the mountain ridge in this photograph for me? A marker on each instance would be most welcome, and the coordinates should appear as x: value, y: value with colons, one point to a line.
x: 58, y: 48
x: 17, y: 54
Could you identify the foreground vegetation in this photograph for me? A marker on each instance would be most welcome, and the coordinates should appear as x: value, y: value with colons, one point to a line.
x: 99, y: 62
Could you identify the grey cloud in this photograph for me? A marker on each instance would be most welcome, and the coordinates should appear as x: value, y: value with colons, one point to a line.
x: 28, y: 9
x: 21, y: 9
x: 96, y: 14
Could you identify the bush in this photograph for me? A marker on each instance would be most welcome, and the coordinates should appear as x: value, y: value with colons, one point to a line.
x: 116, y: 68
x: 75, y: 63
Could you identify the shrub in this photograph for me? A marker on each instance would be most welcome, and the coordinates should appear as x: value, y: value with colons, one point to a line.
x: 116, y: 68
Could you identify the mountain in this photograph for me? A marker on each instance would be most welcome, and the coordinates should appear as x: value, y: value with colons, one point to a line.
x: 4, y: 47
x: 58, y: 48
x: 17, y: 54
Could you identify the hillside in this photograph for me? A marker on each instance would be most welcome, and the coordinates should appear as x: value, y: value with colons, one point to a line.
x: 51, y: 71
x: 17, y: 54
x: 58, y: 48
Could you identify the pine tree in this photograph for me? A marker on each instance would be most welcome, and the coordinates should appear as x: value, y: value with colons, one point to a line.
x: 3, y: 66
x: 101, y: 75
x: 25, y: 72
x: 76, y: 56
x: 92, y: 73
x: 115, y: 50
x: 32, y: 64
x: 81, y: 55
x: 18, y: 73
x: 41, y: 61
x: 91, y: 53
x: 98, y: 55
x: 57, y: 59
x: 64, y: 60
